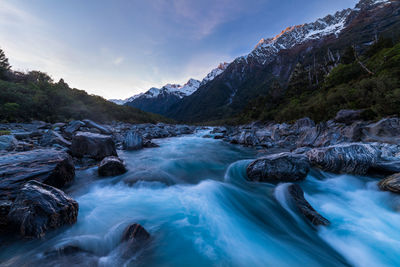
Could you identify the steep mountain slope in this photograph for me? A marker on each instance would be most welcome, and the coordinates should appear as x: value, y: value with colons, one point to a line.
x: 318, y: 45
x: 160, y: 100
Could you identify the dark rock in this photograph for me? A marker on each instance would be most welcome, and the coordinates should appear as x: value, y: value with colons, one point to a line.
x: 92, y: 124
x: 391, y: 183
x: 284, y: 167
x: 48, y: 166
x: 39, y: 208
x: 297, y: 196
x: 5, y: 206
x: 51, y: 137
x: 248, y: 138
x: 8, y: 142
x: 92, y: 145
x: 133, y: 141
x: 111, y: 166
x: 73, y: 126
x: 304, y: 122
x: 353, y: 158
x: 149, y: 144
x: 218, y: 137
x: 384, y: 131
x: 135, y: 235
x: 347, y: 116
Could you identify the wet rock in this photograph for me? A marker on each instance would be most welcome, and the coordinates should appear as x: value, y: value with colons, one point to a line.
x: 48, y: 166
x: 151, y: 175
x: 348, y: 116
x: 353, y: 158
x: 111, y: 166
x: 52, y: 137
x: 391, y: 183
x: 384, y: 131
x: 92, y: 124
x: 248, y: 138
x: 39, y: 208
x: 149, y: 144
x: 73, y: 126
x: 296, y: 194
x: 284, y: 167
x: 135, y: 237
x: 8, y: 142
x: 133, y: 141
x: 91, y: 145
x: 5, y: 206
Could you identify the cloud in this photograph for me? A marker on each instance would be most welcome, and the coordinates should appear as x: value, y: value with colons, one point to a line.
x: 201, y: 18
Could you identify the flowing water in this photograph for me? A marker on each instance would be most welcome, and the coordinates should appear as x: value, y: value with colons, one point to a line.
x: 192, y: 197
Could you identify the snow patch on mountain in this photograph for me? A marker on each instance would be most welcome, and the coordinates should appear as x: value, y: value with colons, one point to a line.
x: 266, y: 49
x: 175, y: 89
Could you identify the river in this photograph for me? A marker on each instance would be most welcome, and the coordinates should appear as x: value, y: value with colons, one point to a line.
x: 193, y: 198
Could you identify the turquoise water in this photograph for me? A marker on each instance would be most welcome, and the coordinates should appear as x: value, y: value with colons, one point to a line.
x: 192, y: 197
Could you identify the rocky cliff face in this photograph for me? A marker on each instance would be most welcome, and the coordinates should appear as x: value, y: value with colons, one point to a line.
x: 274, y: 59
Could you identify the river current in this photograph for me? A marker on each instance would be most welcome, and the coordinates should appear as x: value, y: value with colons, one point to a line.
x: 192, y: 196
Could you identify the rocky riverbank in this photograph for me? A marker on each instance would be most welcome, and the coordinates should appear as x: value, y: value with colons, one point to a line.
x: 38, y: 159
x: 345, y: 145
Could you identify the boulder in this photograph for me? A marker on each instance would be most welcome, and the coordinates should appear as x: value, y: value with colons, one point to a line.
x: 91, y: 145
x: 384, y: 131
x: 92, y: 124
x: 149, y: 144
x: 296, y: 195
x: 39, y: 208
x: 391, y: 183
x: 52, y: 137
x: 248, y: 138
x: 304, y: 122
x: 49, y: 166
x: 133, y: 141
x: 283, y: 167
x: 348, y: 116
x: 111, y: 166
x: 134, y: 237
x: 8, y: 142
x: 73, y: 126
x: 352, y: 158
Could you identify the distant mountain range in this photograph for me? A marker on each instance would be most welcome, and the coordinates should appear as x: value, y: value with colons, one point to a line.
x: 227, y: 90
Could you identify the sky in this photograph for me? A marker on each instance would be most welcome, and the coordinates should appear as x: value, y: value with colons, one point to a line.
x: 119, y: 48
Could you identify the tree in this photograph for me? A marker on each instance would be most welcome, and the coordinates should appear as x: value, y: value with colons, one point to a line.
x: 4, y: 65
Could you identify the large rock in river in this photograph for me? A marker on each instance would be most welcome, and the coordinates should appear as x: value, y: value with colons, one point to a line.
x: 39, y: 208
x: 8, y: 142
x: 284, y: 167
x: 133, y: 141
x: 49, y: 166
x: 296, y: 194
x: 352, y: 158
x: 391, y: 183
x: 134, y: 238
x: 91, y: 145
x: 111, y: 166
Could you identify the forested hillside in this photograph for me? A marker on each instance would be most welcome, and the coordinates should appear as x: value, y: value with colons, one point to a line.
x: 35, y: 96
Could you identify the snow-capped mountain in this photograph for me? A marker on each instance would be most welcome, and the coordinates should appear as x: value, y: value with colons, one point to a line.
x: 175, y: 89
x: 214, y: 73
x: 266, y: 49
x: 273, y: 60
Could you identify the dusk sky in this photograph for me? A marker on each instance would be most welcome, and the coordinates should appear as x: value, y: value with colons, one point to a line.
x: 120, y: 48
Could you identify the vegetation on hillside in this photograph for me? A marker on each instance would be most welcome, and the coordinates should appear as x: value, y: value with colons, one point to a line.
x: 35, y: 96
x: 370, y: 82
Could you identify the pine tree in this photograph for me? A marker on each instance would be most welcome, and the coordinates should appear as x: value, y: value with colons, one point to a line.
x: 4, y: 65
